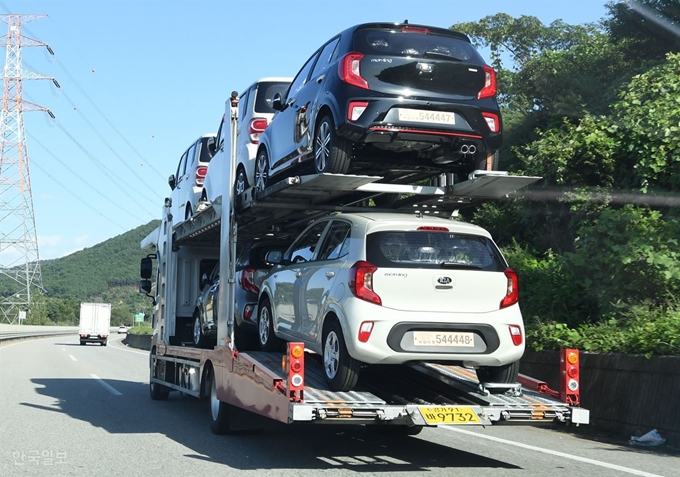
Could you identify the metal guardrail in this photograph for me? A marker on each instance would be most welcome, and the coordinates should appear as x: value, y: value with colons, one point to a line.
x: 20, y: 335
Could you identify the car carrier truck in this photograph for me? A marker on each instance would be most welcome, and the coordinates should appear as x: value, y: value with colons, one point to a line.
x: 242, y: 382
x: 95, y: 323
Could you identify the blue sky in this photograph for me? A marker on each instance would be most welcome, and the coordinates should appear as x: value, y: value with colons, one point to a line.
x: 142, y: 79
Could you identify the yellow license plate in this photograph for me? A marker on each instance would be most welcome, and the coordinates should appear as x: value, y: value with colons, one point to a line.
x: 449, y: 415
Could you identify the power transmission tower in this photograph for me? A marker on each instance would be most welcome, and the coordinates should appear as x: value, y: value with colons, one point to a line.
x: 20, y: 274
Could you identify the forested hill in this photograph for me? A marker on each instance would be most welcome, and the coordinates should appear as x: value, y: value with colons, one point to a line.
x: 94, y: 271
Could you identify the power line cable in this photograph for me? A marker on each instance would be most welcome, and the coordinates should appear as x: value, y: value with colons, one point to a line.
x: 82, y: 180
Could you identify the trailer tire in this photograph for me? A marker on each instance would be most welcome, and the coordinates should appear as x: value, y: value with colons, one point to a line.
x: 82, y: 343
x: 331, y: 152
x: 219, y: 411
x: 265, y: 328
x: 157, y: 391
x: 506, y: 374
x: 341, y: 370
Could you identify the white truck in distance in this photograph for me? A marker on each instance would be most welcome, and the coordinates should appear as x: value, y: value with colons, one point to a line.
x: 95, y: 323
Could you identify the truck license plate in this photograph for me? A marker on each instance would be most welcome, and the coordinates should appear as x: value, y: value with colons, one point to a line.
x: 449, y: 415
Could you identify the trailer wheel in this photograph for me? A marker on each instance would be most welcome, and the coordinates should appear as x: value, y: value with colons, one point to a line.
x: 261, y: 170
x: 265, y: 328
x: 331, y: 152
x: 157, y: 391
x: 82, y: 343
x: 219, y: 411
x: 342, y: 371
x: 498, y: 374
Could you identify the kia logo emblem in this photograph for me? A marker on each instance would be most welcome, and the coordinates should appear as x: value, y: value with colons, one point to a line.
x: 444, y: 280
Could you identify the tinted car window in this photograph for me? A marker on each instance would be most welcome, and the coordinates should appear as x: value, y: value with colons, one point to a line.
x: 399, y: 43
x: 304, y: 247
x: 336, y: 242
x: 243, y: 104
x: 266, y: 91
x: 423, y: 249
x: 301, y: 78
x: 325, y: 57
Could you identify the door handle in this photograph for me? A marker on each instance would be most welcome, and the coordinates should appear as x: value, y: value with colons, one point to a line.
x: 320, y: 79
x: 330, y: 274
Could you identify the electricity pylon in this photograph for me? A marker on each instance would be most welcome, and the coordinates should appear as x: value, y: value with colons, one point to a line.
x: 20, y: 274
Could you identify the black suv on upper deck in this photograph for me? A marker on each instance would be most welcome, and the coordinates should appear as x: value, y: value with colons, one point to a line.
x: 398, y: 100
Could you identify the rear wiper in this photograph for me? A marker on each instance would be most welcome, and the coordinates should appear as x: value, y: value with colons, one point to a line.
x: 444, y: 56
x: 468, y: 266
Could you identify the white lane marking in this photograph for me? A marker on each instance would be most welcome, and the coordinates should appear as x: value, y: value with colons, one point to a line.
x: 108, y: 387
x: 607, y: 465
x: 72, y: 357
x: 63, y: 349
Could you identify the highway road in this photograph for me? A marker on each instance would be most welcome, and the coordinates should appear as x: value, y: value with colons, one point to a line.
x: 71, y: 410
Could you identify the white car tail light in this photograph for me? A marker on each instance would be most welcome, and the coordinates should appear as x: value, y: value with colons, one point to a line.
x: 361, y: 281
x: 512, y: 293
x: 256, y: 128
x: 200, y: 175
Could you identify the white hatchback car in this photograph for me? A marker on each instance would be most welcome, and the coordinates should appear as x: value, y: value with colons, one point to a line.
x: 187, y: 182
x: 389, y: 288
x: 254, y: 114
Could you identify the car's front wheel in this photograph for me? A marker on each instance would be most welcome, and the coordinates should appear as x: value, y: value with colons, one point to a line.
x: 506, y: 374
x: 342, y: 371
x: 261, y: 170
x: 331, y: 152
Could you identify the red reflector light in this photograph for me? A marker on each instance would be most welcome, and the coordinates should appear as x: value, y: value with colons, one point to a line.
x: 410, y: 29
x: 515, y: 334
x: 512, y: 293
x: 492, y: 121
x: 349, y: 71
x: 365, y: 331
x: 356, y: 109
x: 489, y: 89
x: 433, y: 229
x: 361, y: 281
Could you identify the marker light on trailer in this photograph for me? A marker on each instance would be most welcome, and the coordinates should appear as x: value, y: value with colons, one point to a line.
x: 294, y: 362
x: 570, y: 380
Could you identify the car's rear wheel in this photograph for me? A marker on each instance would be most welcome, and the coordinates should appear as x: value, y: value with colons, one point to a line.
x: 265, y: 328
x: 241, y: 183
x: 331, y: 152
x: 506, y: 374
x: 342, y: 371
x: 199, y: 338
x: 261, y: 170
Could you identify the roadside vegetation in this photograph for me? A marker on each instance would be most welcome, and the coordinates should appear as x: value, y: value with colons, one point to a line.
x: 595, y: 111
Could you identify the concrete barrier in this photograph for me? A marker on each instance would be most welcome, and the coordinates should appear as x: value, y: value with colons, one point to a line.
x: 138, y: 341
x: 626, y: 394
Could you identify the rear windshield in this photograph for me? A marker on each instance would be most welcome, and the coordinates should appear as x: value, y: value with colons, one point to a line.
x: 415, y: 44
x: 265, y: 93
x: 425, y: 249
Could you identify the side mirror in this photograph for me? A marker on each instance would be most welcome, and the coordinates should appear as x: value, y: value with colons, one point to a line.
x: 275, y: 257
x: 172, y: 181
x: 145, y: 286
x: 146, y: 268
x: 276, y: 102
